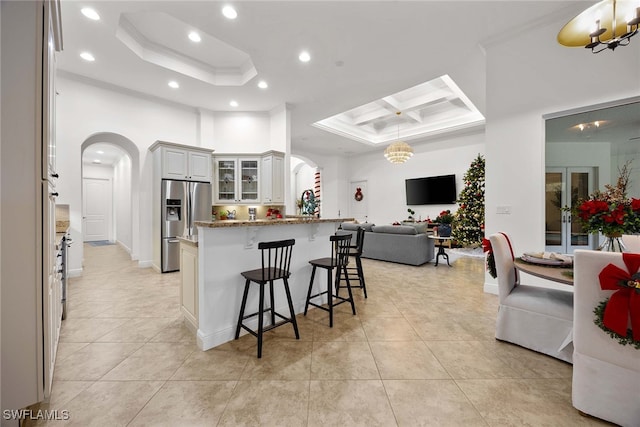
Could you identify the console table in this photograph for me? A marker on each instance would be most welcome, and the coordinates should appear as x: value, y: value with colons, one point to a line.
x: 441, y: 252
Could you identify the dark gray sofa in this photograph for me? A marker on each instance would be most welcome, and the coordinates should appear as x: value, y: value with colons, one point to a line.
x: 395, y: 243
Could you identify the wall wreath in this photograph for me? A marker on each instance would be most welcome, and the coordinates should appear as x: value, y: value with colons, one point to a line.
x: 358, y: 196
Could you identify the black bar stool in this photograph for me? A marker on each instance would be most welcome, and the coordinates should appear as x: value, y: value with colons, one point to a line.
x: 276, y: 259
x: 340, y: 245
x: 356, y: 272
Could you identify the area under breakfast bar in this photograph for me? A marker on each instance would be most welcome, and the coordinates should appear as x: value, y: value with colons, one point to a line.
x: 226, y: 248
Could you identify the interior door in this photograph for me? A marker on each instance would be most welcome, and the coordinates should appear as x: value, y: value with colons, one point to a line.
x: 96, y: 208
x: 563, y: 188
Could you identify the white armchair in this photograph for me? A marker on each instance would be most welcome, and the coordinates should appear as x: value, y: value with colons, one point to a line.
x: 606, y: 375
x: 537, y: 318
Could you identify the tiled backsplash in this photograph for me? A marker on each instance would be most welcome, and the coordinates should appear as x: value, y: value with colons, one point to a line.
x: 242, y: 211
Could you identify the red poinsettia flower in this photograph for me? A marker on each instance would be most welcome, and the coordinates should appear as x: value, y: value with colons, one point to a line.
x: 615, y: 216
x: 635, y: 204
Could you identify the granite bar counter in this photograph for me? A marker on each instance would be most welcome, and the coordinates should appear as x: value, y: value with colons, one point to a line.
x: 228, y: 247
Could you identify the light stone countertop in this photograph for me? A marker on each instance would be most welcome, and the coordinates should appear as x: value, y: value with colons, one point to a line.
x: 266, y: 222
x: 190, y: 240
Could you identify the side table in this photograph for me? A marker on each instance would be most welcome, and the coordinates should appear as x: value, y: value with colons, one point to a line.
x: 441, y: 251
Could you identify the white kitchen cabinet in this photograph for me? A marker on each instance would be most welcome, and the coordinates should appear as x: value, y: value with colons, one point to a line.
x: 182, y: 162
x: 237, y: 180
x: 199, y: 166
x: 272, y: 178
x: 31, y: 304
x: 189, y: 282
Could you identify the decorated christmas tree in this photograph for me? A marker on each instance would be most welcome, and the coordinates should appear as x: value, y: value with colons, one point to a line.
x: 468, y: 226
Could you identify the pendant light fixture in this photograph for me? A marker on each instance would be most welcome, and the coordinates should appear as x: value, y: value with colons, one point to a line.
x: 605, y: 25
x: 399, y: 151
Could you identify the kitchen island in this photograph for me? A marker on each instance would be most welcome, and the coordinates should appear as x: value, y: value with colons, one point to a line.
x: 227, y: 248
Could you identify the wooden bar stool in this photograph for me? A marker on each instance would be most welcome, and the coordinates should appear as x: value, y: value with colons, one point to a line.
x: 355, y: 272
x: 276, y: 260
x: 340, y: 245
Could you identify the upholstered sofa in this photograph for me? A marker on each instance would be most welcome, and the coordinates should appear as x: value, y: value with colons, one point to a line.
x: 404, y: 244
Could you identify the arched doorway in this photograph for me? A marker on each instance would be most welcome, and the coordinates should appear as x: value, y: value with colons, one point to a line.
x: 302, y: 178
x: 115, y: 171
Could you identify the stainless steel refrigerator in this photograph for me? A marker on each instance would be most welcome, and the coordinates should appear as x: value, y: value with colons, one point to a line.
x: 183, y: 203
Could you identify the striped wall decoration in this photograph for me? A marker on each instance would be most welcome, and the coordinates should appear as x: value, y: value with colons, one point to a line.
x: 316, y: 189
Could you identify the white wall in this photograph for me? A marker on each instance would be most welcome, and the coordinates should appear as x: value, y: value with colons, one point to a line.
x: 528, y: 76
x: 85, y: 109
x: 386, y: 181
x: 587, y: 154
x: 304, y: 179
x: 334, y: 179
x: 240, y: 132
x: 122, y: 200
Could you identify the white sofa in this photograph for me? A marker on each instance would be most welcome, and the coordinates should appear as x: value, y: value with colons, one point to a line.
x: 606, y: 375
x: 540, y: 319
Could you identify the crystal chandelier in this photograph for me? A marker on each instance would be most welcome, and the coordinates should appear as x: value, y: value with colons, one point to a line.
x: 399, y: 151
x: 605, y: 25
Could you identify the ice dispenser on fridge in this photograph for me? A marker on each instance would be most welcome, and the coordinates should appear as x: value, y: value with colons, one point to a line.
x: 174, y: 210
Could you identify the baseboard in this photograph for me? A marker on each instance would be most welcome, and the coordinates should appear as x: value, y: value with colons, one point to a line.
x: 206, y: 342
x: 123, y: 246
x: 146, y: 264
x: 491, y: 288
x: 76, y: 272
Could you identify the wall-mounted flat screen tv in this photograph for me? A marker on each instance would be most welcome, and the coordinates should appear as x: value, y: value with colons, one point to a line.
x: 432, y: 190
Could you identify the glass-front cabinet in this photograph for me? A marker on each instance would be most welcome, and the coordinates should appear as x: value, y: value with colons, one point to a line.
x: 563, y: 188
x: 237, y: 180
x: 249, y: 182
x: 226, y: 182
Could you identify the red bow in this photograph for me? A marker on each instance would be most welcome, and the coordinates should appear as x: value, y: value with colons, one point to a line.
x: 486, y: 245
x: 625, y: 302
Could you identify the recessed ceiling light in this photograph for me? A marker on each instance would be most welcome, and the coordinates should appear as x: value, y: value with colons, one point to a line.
x: 234, y: 103
x: 97, y: 161
x: 90, y: 13
x: 194, y: 37
x: 174, y: 84
x: 262, y: 84
x: 87, y: 56
x: 304, y: 56
x: 100, y: 152
x: 229, y: 12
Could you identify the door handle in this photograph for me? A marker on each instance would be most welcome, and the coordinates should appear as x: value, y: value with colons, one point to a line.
x: 174, y: 241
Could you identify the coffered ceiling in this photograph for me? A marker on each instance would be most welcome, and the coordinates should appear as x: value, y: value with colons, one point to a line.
x: 365, y: 55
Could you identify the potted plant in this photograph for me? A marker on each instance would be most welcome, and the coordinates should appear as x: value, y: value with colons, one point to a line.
x: 444, y: 220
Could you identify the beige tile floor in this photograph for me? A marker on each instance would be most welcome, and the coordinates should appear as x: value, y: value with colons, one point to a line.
x: 420, y: 352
